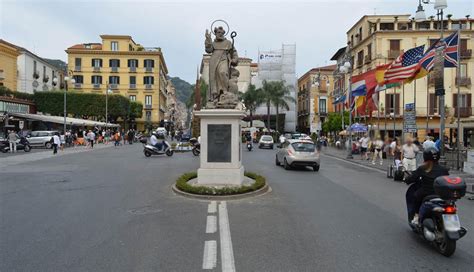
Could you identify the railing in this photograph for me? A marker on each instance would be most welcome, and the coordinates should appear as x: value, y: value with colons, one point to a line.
x: 133, y: 86
x: 96, y: 86
x: 148, y: 106
x: 96, y: 68
x: 114, y: 69
x: 393, y: 54
x: 148, y: 86
x: 133, y: 69
x: 466, y: 54
x: 148, y: 69
x: 367, y: 59
x: 77, y: 85
x: 463, y: 112
x: 113, y: 86
x: 77, y: 68
x: 463, y: 81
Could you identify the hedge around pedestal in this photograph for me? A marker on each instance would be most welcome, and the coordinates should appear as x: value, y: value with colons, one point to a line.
x: 182, y: 184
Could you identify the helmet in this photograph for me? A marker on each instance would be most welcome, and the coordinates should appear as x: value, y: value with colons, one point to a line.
x: 431, y: 154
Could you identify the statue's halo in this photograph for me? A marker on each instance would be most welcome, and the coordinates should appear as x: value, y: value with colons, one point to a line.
x: 220, y: 20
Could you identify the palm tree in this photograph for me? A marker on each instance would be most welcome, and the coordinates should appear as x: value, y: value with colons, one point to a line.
x: 281, y: 99
x: 269, y: 93
x: 252, y: 98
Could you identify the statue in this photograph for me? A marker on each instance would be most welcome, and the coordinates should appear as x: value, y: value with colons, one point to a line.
x: 223, y: 75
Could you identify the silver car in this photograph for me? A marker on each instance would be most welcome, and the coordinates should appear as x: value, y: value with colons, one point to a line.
x: 266, y: 141
x: 41, y: 138
x: 294, y: 153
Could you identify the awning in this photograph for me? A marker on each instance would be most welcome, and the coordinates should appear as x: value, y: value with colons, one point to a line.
x: 60, y: 120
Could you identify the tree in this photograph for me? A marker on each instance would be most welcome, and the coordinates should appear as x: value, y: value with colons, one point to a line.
x: 334, y: 122
x: 252, y: 98
x: 268, y: 91
x: 281, y: 98
x: 203, y: 86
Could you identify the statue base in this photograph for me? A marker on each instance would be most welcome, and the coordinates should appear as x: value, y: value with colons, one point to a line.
x: 221, y: 151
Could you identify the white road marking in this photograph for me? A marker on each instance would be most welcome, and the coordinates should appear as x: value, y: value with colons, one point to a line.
x: 212, y: 207
x: 209, y: 260
x: 211, y: 225
x: 227, y: 253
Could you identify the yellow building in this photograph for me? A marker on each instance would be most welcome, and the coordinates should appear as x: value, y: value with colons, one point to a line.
x: 129, y: 69
x: 379, y: 39
x: 8, y: 65
x: 314, y: 98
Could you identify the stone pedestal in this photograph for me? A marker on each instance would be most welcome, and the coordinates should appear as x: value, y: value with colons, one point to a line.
x: 221, y: 153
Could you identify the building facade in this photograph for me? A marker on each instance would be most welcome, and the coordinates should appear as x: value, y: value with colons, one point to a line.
x: 243, y: 67
x: 126, y: 68
x: 315, y: 98
x: 171, y: 103
x: 379, y: 39
x: 8, y: 65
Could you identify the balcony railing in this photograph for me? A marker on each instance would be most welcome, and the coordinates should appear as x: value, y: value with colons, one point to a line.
x: 113, y: 86
x: 132, y: 69
x: 367, y: 59
x: 133, y: 86
x: 466, y: 54
x: 96, y: 86
x: 463, y: 81
x: 463, y: 112
x: 148, y: 106
x: 114, y: 69
x: 148, y: 69
x: 393, y: 54
x: 77, y: 68
x: 96, y: 68
x: 148, y: 86
x: 77, y: 85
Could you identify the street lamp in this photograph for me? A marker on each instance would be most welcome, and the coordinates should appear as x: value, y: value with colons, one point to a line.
x: 55, y: 82
x: 107, y: 91
x: 73, y: 81
x: 346, y: 69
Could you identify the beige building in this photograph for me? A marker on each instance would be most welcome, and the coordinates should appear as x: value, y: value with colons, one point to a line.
x: 8, y: 65
x: 379, y: 39
x: 171, y: 102
x: 128, y: 68
x: 314, y: 98
x: 243, y: 67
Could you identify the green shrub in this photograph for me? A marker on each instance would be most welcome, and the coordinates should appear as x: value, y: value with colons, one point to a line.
x: 182, y: 184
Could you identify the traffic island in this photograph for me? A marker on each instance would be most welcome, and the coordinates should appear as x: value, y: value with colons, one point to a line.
x: 253, y: 185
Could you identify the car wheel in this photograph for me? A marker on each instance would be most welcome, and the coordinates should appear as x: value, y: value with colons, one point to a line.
x: 286, y: 165
x: 277, y: 162
x: 271, y: 147
x: 48, y: 145
x: 4, y: 150
x: 316, y: 168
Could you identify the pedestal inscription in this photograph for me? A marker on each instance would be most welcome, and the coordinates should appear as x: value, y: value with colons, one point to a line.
x: 219, y: 143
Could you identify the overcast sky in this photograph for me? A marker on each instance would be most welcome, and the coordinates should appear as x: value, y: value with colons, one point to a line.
x: 48, y: 27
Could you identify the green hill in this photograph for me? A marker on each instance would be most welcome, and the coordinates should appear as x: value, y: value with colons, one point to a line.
x: 183, y: 89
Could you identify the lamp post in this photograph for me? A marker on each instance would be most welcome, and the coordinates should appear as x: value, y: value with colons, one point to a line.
x: 439, y: 6
x: 73, y: 81
x: 317, y: 83
x: 346, y: 68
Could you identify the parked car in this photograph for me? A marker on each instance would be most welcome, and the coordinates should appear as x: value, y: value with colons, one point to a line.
x: 295, y: 153
x: 265, y: 141
x: 41, y: 138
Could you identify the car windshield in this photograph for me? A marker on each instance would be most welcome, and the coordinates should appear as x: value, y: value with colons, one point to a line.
x: 303, y: 147
x: 267, y: 138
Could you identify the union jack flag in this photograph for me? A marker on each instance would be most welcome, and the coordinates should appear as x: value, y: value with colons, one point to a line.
x: 451, y: 57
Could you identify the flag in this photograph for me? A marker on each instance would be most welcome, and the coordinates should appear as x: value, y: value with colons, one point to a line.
x: 405, y: 66
x: 363, y: 83
x: 360, y: 104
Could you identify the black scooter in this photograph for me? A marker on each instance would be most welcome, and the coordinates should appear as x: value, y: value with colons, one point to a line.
x: 249, y: 146
x: 438, y: 220
x: 196, y: 146
x: 23, y: 144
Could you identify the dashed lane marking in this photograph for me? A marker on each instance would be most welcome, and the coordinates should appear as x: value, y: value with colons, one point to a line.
x: 212, y: 207
x: 211, y: 225
x: 227, y: 253
x: 209, y: 260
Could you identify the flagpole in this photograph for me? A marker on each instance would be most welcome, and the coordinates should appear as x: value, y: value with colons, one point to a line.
x: 414, y: 101
x: 394, y: 112
x: 403, y: 112
x: 458, y: 106
x: 427, y: 104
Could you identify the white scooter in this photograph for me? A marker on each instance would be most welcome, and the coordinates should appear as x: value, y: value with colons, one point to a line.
x: 149, y: 149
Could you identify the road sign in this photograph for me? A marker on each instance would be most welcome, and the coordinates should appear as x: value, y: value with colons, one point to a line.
x: 410, y: 118
x: 21, y: 124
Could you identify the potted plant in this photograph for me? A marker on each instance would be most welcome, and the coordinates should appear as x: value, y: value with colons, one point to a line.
x: 35, y: 75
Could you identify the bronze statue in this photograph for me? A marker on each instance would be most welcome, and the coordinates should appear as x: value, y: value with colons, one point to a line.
x: 222, y: 73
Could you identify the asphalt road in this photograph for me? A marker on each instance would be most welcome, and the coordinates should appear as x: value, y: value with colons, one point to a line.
x: 112, y: 209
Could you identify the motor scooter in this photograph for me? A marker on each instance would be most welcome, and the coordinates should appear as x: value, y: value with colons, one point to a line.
x: 249, y: 146
x: 21, y: 144
x: 150, y: 150
x: 196, y: 146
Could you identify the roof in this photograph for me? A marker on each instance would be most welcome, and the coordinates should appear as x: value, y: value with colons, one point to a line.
x: 60, y: 120
x: 26, y: 51
x: 339, y: 53
x: 93, y: 46
x: 381, y: 15
x: 328, y: 68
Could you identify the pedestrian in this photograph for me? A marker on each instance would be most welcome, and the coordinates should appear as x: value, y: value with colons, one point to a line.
x: 377, y: 145
x: 409, y: 151
x: 56, y: 143
x: 364, y: 145
x: 130, y: 136
x: 12, y: 138
x: 91, y: 137
x: 428, y: 143
x: 395, y: 148
x: 117, y: 138
x: 124, y: 136
x: 63, y: 141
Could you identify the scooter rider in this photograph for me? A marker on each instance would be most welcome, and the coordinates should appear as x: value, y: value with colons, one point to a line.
x: 425, y: 176
x: 154, y: 141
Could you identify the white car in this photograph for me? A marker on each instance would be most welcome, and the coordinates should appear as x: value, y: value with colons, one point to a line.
x: 266, y: 141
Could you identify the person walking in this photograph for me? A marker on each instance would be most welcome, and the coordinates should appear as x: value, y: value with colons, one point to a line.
x: 117, y: 138
x: 377, y: 145
x: 12, y: 138
x: 396, y: 150
x: 364, y: 145
x: 91, y: 137
x: 428, y: 143
x: 56, y: 143
x: 63, y: 141
x: 409, y: 151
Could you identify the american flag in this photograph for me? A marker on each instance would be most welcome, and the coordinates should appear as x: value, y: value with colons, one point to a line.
x: 405, y: 66
x: 450, y: 44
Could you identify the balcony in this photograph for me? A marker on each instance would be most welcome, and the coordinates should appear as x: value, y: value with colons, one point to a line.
x: 96, y: 68
x: 148, y: 86
x: 2, y: 75
x: 132, y: 69
x: 463, y: 81
x: 323, y: 113
x: 466, y: 54
x: 133, y: 86
x: 149, y: 69
x: 431, y: 80
x: 45, y: 79
x: 393, y: 54
x: 77, y: 68
x: 96, y: 86
x: 463, y: 112
x: 367, y: 59
x: 114, y: 69
x: 148, y: 106
x: 113, y: 86
x: 77, y: 85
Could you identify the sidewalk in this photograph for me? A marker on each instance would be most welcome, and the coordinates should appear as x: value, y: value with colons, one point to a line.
x: 342, y: 154
x: 30, y: 157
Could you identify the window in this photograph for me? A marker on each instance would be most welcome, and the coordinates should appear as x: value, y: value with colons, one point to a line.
x: 96, y: 79
x: 133, y: 98
x: 148, y: 115
x: 395, y: 45
x: 360, y: 58
x: 133, y: 80
x: 465, y: 109
x: 114, y: 46
x: 114, y: 63
x: 149, y: 63
x: 52, y: 76
x: 148, y: 100
x: 130, y: 48
x: 433, y: 104
x: 132, y: 63
x: 392, y: 102
x: 360, y: 34
x: 463, y: 70
x: 148, y: 80
x: 34, y: 67
x: 79, y: 79
x: 322, y: 105
x: 114, y: 79
x: 387, y: 26
x: 44, y: 71
x: 78, y: 62
x: 369, y: 51
x: 96, y: 63
x: 463, y: 46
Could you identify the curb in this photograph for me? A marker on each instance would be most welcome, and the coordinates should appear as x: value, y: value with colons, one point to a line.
x: 262, y: 191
